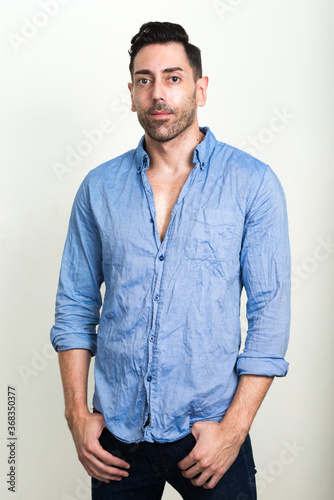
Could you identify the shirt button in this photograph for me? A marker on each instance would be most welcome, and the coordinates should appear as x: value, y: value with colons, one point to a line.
x: 203, y: 164
x: 156, y: 297
x: 161, y: 257
x: 151, y: 338
x: 149, y: 379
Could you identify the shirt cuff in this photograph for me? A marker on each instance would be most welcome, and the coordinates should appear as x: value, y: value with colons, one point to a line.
x: 256, y: 363
x: 75, y: 341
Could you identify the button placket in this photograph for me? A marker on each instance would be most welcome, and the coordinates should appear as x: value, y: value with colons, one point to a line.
x: 156, y: 303
x: 156, y: 295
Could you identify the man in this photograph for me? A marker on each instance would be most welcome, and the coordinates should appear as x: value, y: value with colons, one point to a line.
x: 175, y: 229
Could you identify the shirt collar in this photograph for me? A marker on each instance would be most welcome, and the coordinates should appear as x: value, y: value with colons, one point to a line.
x: 202, y: 152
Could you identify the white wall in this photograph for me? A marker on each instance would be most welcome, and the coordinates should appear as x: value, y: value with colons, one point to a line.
x: 69, y: 74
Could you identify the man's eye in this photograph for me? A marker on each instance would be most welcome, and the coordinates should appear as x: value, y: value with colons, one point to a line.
x: 144, y: 81
x: 174, y: 79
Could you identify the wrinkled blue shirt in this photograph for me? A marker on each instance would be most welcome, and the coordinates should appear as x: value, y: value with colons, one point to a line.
x: 168, y: 338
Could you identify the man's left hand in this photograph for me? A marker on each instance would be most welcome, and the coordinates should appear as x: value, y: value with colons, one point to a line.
x: 215, y: 451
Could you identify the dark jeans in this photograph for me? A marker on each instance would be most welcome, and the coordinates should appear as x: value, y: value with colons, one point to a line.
x: 152, y: 464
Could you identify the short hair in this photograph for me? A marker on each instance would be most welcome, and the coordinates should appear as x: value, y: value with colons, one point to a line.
x: 163, y: 33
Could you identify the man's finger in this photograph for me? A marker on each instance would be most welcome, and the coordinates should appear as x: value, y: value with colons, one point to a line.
x: 100, y: 470
x: 211, y: 483
x: 192, y: 472
x: 203, y: 479
x: 106, y: 478
x: 108, y: 458
x: 187, y: 461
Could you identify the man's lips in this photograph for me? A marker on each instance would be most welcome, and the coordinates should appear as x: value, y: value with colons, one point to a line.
x: 160, y: 114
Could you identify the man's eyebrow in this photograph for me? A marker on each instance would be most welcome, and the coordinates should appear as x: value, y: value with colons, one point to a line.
x: 149, y: 72
x: 171, y: 70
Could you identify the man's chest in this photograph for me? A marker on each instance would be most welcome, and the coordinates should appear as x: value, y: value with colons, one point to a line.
x: 166, y: 191
x: 205, y: 229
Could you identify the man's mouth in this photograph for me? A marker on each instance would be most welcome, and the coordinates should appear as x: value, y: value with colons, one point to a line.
x: 160, y: 114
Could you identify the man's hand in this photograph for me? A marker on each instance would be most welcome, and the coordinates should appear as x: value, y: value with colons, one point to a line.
x: 215, y: 451
x: 98, y: 463
x: 218, y: 443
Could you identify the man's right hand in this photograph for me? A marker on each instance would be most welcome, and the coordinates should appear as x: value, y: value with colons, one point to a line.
x: 86, y: 430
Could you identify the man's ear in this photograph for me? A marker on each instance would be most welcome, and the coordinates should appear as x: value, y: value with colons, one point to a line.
x: 133, y: 107
x: 201, y: 90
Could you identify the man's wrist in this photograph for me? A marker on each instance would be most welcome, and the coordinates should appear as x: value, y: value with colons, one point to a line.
x: 236, y: 427
x: 75, y: 414
x: 246, y: 401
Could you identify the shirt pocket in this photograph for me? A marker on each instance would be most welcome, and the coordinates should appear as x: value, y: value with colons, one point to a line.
x: 214, y: 236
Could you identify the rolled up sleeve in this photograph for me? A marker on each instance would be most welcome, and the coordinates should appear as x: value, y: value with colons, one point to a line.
x: 266, y: 275
x: 79, y: 300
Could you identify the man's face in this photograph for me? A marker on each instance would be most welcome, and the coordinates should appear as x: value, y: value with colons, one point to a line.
x: 163, y: 91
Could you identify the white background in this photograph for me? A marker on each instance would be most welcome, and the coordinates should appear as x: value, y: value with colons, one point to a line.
x: 64, y: 74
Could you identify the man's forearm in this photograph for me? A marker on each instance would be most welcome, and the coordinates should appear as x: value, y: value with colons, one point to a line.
x: 248, y: 397
x: 74, y: 368
x: 86, y: 427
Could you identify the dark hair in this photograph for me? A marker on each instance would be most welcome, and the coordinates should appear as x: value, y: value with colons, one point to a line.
x: 158, y: 32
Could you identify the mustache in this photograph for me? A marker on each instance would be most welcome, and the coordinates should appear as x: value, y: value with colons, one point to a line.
x: 160, y: 107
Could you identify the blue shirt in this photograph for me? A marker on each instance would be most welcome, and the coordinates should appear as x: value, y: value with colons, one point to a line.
x: 167, y: 345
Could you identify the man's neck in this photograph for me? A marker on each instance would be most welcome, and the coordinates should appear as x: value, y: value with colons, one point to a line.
x: 176, y: 155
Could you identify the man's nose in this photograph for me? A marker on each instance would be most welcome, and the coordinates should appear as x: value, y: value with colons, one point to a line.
x: 158, y: 91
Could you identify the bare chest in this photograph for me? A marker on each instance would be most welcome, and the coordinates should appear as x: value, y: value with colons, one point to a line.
x: 166, y: 191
